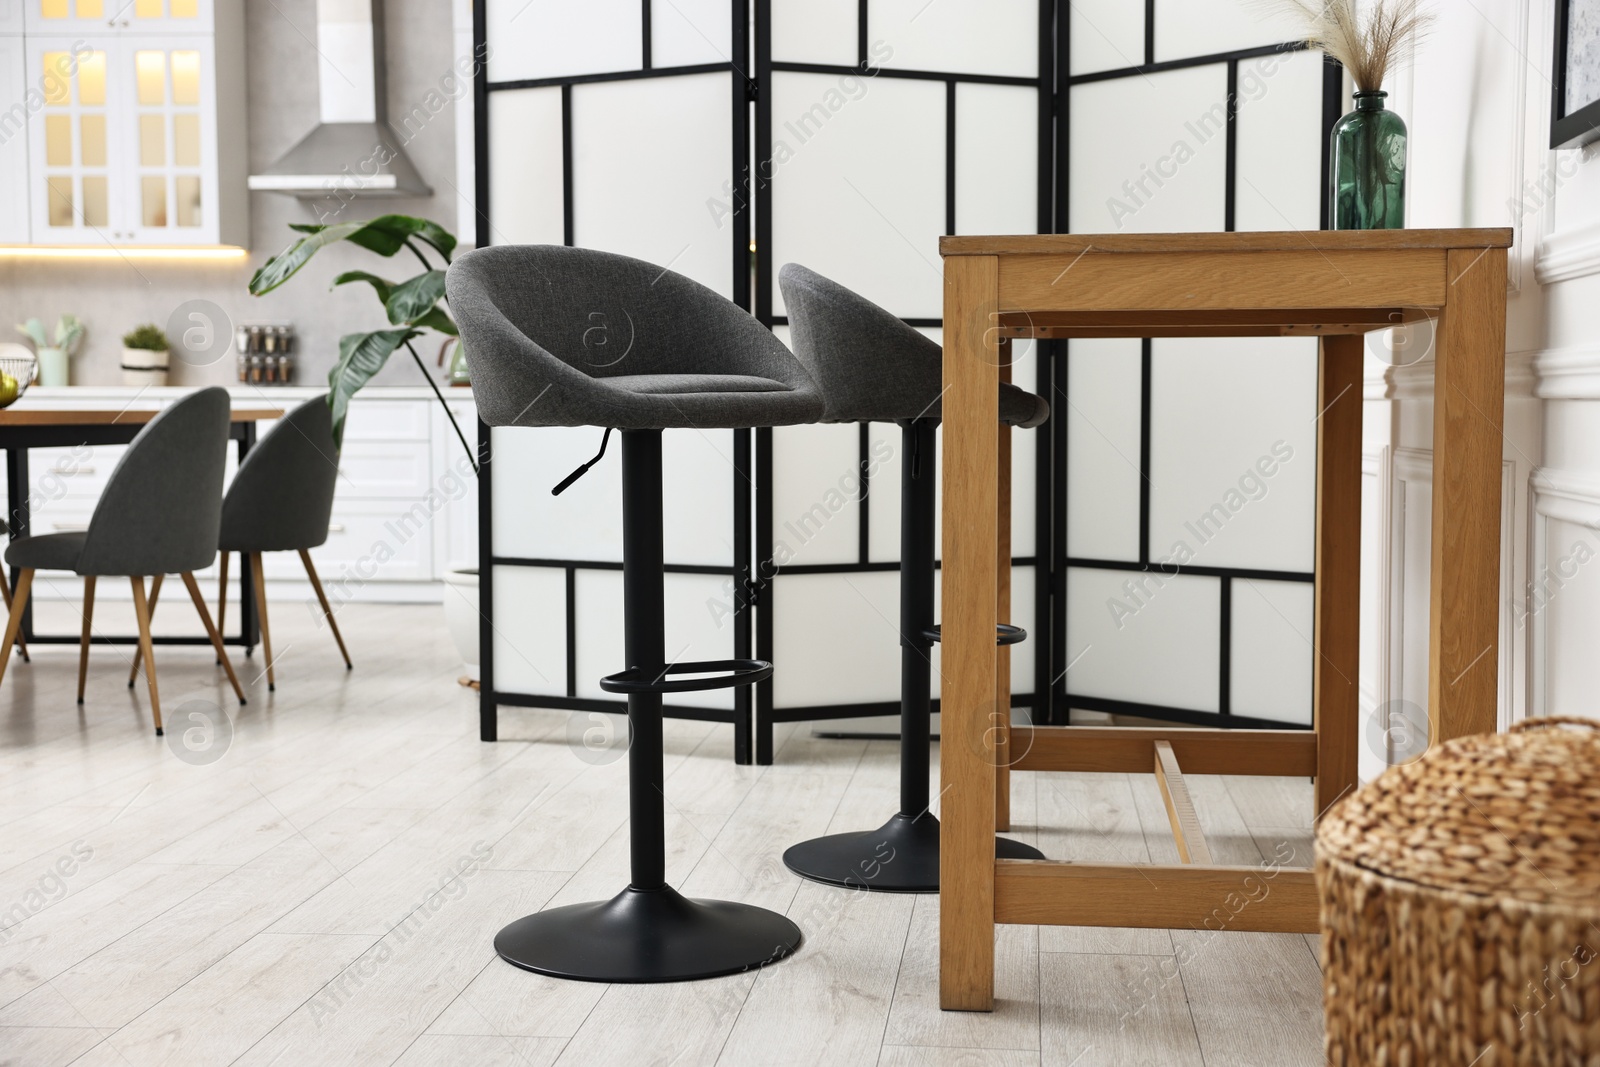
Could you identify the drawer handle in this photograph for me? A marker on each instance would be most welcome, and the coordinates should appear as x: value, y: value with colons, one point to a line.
x: 69, y: 527
x: 70, y: 471
x: 336, y: 527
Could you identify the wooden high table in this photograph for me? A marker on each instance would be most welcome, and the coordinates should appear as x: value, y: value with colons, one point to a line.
x: 1333, y: 285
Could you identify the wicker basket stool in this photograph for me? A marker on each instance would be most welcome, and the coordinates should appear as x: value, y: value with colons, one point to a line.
x: 1460, y: 903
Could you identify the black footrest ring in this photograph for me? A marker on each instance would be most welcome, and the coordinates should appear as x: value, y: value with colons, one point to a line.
x: 1004, y: 634
x: 732, y: 672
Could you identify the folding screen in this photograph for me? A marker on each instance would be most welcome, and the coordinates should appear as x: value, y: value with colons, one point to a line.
x: 881, y: 125
x: 1186, y: 486
x: 619, y: 125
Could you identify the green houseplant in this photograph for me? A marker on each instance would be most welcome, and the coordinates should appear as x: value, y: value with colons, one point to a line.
x: 144, y: 356
x: 413, y: 306
x: 53, y: 357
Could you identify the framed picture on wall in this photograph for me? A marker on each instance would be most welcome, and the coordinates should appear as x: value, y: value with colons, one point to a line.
x: 1575, y: 107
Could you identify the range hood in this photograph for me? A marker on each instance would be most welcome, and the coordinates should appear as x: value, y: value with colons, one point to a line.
x: 353, y: 151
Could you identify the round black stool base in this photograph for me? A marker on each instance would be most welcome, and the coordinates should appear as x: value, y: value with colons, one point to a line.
x: 901, y: 856
x: 647, y: 935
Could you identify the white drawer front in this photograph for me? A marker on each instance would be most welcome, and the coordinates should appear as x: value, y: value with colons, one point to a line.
x: 367, y: 541
x: 387, y: 420
x: 396, y: 470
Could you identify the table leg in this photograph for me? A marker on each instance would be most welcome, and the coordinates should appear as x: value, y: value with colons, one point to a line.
x: 1002, y: 612
x: 19, y: 518
x: 1337, y: 633
x: 1468, y: 412
x: 966, y: 756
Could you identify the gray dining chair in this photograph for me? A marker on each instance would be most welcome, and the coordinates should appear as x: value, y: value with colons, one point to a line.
x: 872, y: 367
x: 559, y: 336
x: 159, y: 514
x: 280, y: 501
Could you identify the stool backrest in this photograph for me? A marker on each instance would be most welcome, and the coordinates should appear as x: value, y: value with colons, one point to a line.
x: 162, y: 506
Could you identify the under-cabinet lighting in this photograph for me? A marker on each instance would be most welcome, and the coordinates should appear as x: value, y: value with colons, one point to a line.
x: 215, y: 252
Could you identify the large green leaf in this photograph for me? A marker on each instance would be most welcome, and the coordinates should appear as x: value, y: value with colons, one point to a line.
x: 361, y: 355
x: 436, y: 319
x: 385, y: 235
x: 415, y: 297
x: 382, y: 286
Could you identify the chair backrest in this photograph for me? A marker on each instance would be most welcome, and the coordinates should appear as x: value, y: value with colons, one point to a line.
x: 162, y: 506
x: 548, y: 318
x: 869, y: 364
x: 282, y: 496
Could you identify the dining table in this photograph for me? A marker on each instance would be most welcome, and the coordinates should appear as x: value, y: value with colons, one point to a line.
x: 1336, y: 287
x: 23, y: 428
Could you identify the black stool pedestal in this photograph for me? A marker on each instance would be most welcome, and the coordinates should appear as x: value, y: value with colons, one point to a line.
x: 649, y: 932
x: 902, y: 855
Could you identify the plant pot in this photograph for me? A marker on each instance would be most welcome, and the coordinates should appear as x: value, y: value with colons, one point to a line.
x: 52, y: 366
x: 144, y: 366
x: 461, y: 615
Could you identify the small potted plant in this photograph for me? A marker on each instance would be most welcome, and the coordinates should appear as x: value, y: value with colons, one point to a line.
x: 53, y: 357
x: 144, y: 356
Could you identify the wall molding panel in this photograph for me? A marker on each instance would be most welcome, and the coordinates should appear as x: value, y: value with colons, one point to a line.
x: 1562, y: 495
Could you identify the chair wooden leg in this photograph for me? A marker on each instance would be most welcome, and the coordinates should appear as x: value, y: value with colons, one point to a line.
x: 19, y: 603
x: 260, y: 582
x: 83, y: 642
x: 222, y: 600
x: 5, y: 591
x: 155, y: 594
x: 327, y: 611
x: 141, y: 608
x: 211, y: 632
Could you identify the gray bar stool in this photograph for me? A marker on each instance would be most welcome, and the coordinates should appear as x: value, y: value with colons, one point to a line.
x: 874, y: 368
x: 560, y: 336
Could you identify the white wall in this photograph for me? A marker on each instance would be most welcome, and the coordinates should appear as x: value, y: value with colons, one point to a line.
x: 1477, y: 100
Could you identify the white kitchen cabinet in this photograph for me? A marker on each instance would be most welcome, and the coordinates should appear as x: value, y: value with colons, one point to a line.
x: 194, y: 17
x: 13, y: 139
x: 135, y: 136
x: 456, y: 527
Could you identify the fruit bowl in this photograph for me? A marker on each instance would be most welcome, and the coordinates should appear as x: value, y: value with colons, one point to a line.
x: 18, y: 367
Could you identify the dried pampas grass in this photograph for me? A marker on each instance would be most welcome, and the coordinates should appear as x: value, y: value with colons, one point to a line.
x: 1367, y: 47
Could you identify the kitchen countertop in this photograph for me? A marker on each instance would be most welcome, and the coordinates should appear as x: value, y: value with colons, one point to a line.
x: 266, y: 394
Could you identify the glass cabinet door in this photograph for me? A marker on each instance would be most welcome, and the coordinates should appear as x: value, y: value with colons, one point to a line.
x: 171, y: 137
x: 73, y: 142
x: 119, y: 16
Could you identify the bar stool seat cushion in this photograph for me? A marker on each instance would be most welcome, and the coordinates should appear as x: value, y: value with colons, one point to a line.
x: 559, y: 336
x: 48, y: 552
x: 871, y: 366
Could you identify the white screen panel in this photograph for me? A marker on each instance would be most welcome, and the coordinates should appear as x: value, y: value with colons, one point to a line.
x: 525, y: 180
x: 997, y: 159
x: 815, y: 31
x: 1272, y: 650
x: 1233, y: 451
x: 1164, y: 173
x: 836, y: 638
x: 555, y: 38
x: 695, y: 630
x: 647, y: 158
x: 1204, y: 27
x: 585, y: 522
x: 697, y: 496
x: 1279, y: 183
x: 816, y: 486
x: 1102, y: 413
x: 858, y: 186
x: 883, y: 492
x: 684, y: 32
x: 993, y: 37
x: 1143, y: 637
x: 1106, y: 35
x: 530, y: 630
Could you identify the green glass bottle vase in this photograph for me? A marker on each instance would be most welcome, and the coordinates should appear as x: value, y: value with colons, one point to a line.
x: 1367, y: 175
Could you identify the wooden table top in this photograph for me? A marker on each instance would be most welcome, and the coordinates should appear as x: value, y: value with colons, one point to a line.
x: 1265, y: 241
x: 110, y: 417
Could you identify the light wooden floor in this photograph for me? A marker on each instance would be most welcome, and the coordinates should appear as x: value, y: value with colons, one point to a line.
x: 328, y: 890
